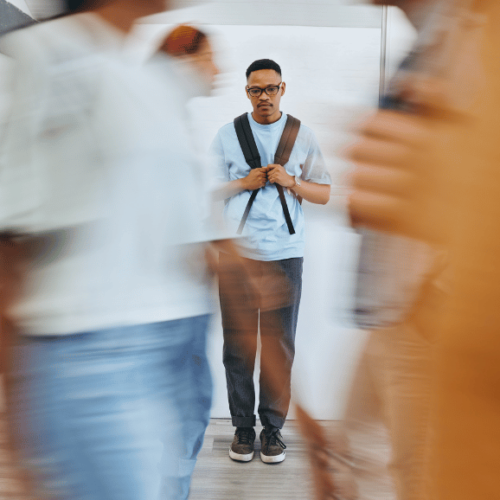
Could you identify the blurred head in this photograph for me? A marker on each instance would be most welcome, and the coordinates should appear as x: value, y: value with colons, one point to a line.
x: 265, y: 89
x: 415, y: 10
x: 404, y: 5
x: 192, y: 46
x: 395, y: 3
x: 80, y: 5
x: 146, y: 7
x: 121, y: 14
x: 75, y: 5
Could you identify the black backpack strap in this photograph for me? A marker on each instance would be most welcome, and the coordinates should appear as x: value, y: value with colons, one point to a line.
x: 247, y: 141
x: 247, y: 210
x: 282, y: 156
x: 252, y: 157
x: 287, y: 141
x: 251, y: 154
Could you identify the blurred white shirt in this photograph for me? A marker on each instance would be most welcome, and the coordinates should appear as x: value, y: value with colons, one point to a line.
x: 97, y: 161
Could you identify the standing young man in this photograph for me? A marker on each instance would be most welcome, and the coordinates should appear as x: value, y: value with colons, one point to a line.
x: 273, y: 231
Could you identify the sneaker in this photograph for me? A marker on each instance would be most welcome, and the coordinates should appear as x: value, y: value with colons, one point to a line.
x: 242, y: 447
x: 272, y: 448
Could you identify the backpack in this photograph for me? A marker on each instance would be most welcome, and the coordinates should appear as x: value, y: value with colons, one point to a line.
x: 252, y: 157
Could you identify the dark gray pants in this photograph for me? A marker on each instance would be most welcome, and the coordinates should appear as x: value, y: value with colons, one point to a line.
x: 277, y: 329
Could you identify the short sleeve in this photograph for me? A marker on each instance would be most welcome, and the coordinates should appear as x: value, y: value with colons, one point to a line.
x: 314, y: 168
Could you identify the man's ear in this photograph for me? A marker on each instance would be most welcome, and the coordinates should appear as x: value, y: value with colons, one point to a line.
x: 246, y: 93
x: 283, y: 88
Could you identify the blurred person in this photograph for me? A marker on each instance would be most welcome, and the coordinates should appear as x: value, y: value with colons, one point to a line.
x: 193, y: 62
x: 192, y: 50
x: 109, y: 386
x: 271, y: 221
x: 433, y: 174
x: 12, y: 19
x: 400, y: 280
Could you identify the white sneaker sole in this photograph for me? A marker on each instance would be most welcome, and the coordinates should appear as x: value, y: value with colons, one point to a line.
x: 237, y: 457
x: 274, y: 459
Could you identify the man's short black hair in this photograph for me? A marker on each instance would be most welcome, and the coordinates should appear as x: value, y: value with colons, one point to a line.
x: 263, y: 64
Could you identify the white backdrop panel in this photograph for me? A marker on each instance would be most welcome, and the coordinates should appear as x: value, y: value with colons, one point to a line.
x: 332, y: 76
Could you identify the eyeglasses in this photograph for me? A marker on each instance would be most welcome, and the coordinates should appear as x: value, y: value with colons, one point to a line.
x: 270, y: 91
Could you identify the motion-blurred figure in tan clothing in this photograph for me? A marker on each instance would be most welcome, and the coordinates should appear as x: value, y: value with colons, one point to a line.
x: 397, y: 281
x: 434, y: 174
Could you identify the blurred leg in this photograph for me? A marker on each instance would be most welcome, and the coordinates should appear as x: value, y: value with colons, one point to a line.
x: 98, y: 414
x: 118, y: 424
x: 278, y: 328
x: 33, y: 406
x: 239, y: 323
x: 367, y: 435
x: 406, y: 402
x: 391, y: 392
x: 195, y: 403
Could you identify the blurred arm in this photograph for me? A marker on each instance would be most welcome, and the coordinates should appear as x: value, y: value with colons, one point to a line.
x: 315, y: 180
x: 256, y: 179
x: 399, y: 166
x: 313, y: 193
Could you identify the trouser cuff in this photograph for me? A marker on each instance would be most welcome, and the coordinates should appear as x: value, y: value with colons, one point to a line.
x: 244, y: 421
x: 272, y: 421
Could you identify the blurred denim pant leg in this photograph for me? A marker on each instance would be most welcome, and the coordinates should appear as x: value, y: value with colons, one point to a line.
x: 194, y: 406
x: 105, y: 415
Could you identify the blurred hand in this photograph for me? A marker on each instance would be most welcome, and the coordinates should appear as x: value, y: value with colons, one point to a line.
x: 13, y: 270
x: 266, y: 288
x: 276, y: 174
x: 256, y: 179
x: 396, y: 179
x: 13, y: 264
x: 386, y: 175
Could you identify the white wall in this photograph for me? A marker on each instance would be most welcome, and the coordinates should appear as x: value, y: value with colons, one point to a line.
x: 332, y: 77
x: 332, y: 73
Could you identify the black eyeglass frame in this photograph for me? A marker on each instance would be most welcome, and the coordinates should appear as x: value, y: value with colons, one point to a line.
x: 248, y: 89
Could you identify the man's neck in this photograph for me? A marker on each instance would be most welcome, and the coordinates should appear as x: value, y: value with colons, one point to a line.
x: 267, y: 120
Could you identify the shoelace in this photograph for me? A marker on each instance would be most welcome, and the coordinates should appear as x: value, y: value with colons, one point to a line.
x: 273, y: 438
x: 244, y: 436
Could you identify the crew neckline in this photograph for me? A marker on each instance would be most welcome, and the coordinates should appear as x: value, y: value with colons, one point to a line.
x: 267, y: 126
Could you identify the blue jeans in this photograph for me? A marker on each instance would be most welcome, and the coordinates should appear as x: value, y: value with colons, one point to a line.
x: 118, y: 414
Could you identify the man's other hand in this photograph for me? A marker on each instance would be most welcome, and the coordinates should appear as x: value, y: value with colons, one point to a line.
x: 256, y: 179
x: 276, y: 174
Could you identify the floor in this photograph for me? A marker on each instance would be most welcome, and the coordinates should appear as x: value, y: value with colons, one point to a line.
x: 216, y: 476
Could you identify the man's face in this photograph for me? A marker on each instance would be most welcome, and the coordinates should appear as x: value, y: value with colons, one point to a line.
x: 265, y: 105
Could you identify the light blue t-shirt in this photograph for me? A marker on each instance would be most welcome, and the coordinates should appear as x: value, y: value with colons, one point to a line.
x: 266, y: 233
